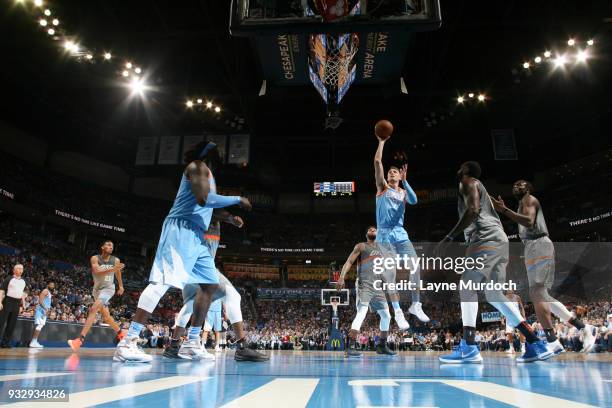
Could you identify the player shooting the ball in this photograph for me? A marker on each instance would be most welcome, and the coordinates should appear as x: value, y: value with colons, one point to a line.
x: 391, y: 202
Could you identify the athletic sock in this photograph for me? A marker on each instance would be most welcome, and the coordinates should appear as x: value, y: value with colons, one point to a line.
x: 551, y: 337
x: 193, y: 333
x: 526, y: 331
x: 469, y: 335
x: 135, y: 329
x: 81, y: 337
x: 576, y: 322
x: 396, y: 307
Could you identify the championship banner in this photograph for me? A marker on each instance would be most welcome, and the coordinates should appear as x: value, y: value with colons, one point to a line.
x: 488, y: 317
x: 145, y: 155
x: 221, y: 142
x: 504, y: 144
x: 239, y: 148
x: 169, y: 147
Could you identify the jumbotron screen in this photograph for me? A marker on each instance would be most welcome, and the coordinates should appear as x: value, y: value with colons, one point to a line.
x: 334, y: 188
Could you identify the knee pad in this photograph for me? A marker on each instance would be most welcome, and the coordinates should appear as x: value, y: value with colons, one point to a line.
x: 185, y: 314
x: 385, y: 319
x: 150, y: 297
x: 362, y: 311
x: 232, y: 304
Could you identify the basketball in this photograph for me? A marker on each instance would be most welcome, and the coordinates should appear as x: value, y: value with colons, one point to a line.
x: 383, y: 129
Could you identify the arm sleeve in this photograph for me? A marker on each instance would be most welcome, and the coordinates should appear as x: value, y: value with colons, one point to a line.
x: 410, y: 194
x: 218, y: 201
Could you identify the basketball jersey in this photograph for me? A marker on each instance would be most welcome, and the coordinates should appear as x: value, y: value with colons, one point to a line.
x: 539, y: 226
x: 104, y: 280
x: 365, y: 263
x: 390, y: 207
x: 487, y: 227
x: 186, y: 205
x: 46, y: 302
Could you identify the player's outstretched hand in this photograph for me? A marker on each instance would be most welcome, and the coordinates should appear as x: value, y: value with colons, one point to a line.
x: 245, y: 204
x: 340, y: 283
x: 120, y: 266
x: 404, y: 171
x: 120, y: 291
x: 498, y: 204
x: 237, y: 221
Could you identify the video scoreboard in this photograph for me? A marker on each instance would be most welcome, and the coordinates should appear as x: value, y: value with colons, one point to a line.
x: 334, y: 188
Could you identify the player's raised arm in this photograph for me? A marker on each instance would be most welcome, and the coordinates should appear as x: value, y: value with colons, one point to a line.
x: 379, y: 171
x: 528, y: 211
x: 411, y: 197
x: 348, y: 265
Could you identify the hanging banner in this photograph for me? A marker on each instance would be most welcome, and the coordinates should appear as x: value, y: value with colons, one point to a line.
x: 504, y: 144
x: 145, y: 155
x: 239, y: 147
x: 169, y: 147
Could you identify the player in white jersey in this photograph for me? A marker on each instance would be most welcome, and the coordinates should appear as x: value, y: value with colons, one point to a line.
x: 540, y: 265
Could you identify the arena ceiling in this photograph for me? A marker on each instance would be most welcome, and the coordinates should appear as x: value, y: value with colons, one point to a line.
x: 187, y: 50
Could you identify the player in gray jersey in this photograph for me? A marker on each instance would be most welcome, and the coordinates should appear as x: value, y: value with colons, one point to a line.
x: 364, y: 254
x: 487, y: 241
x: 104, y: 269
x: 540, y: 264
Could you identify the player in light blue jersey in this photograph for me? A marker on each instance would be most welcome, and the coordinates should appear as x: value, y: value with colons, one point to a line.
x: 42, y: 309
x: 391, y: 202
x: 182, y: 256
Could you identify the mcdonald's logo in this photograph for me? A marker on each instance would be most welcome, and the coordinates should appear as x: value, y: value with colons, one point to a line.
x: 335, y: 343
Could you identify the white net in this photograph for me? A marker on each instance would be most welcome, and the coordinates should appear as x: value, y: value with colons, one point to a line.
x: 337, y: 65
x: 333, y: 57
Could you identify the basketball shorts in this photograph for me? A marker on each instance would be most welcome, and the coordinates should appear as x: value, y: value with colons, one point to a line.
x: 494, y: 257
x: 213, y: 321
x: 182, y: 256
x: 104, y: 294
x: 366, y: 295
x: 540, y: 261
x: 40, y: 317
x: 392, y: 242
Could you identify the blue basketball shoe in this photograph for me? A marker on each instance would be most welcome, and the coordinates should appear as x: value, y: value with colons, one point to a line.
x: 535, y: 352
x: 463, y: 354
